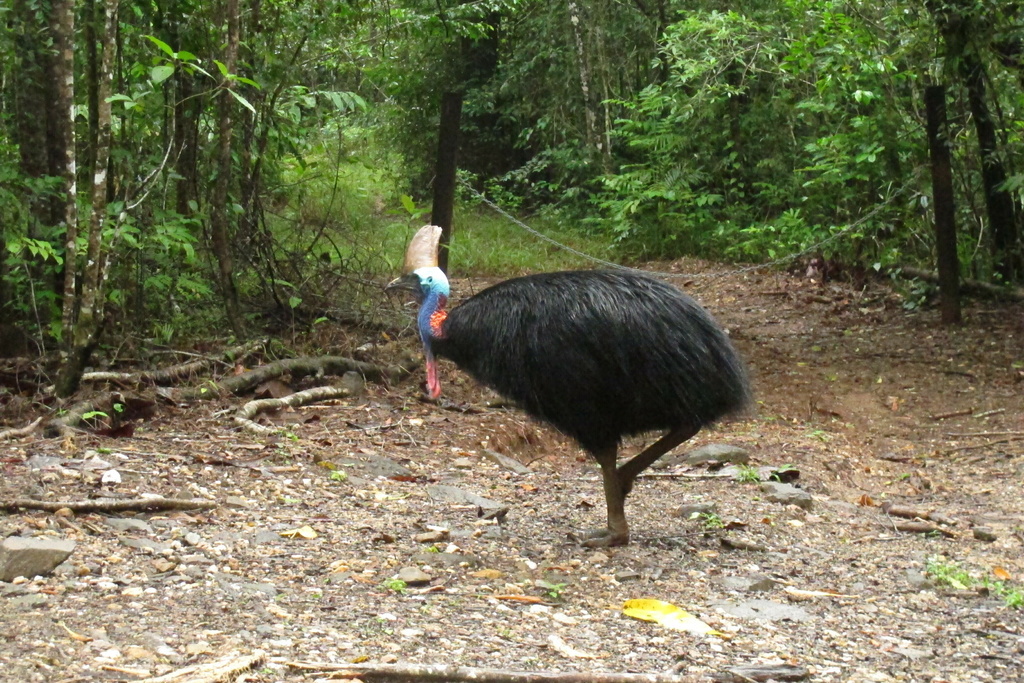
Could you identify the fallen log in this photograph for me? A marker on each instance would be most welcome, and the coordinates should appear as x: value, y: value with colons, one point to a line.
x: 967, y: 286
x: 109, y: 504
x: 422, y: 673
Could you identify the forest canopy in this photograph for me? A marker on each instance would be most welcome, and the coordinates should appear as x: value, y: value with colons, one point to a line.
x: 182, y: 165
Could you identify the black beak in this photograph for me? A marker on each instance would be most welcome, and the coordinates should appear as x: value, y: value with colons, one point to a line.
x: 409, y: 282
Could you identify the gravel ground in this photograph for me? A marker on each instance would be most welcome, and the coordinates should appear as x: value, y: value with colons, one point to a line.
x: 859, y: 401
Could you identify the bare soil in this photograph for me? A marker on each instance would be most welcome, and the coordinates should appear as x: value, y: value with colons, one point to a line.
x: 867, y: 402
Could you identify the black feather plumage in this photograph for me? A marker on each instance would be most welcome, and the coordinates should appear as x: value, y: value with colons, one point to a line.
x: 598, y: 354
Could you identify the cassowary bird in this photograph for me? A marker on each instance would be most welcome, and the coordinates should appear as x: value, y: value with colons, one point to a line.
x: 597, y: 354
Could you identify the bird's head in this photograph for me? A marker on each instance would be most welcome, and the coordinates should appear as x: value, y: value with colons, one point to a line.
x: 423, y: 283
x: 429, y: 285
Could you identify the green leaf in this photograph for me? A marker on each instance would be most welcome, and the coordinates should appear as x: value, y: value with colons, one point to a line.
x: 221, y: 66
x: 162, y: 45
x: 294, y: 301
x: 244, y: 102
x: 248, y: 81
x: 407, y: 203
x: 159, y: 74
x: 187, y: 56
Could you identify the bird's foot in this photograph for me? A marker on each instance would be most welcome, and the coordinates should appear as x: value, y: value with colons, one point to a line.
x: 605, y: 538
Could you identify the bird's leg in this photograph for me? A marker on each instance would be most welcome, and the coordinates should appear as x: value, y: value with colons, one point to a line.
x: 628, y: 471
x: 617, y: 532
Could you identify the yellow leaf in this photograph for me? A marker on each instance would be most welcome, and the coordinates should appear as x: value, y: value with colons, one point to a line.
x: 302, y: 532
x: 1001, y: 573
x: 668, y: 615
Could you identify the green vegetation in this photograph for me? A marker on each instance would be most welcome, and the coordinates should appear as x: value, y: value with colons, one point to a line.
x: 271, y: 182
x: 396, y: 585
x: 947, y: 573
x: 747, y: 474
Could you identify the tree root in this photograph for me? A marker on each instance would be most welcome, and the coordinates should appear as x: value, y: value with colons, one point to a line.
x: 175, y: 373
x: 14, y: 433
x: 109, y: 504
x: 299, y: 398
x: 297, y: 368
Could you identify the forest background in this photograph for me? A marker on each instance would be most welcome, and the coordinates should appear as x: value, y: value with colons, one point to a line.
x: 173, y: 168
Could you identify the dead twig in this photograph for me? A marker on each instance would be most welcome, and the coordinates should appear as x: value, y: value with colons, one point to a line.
x: 175, y: 373
x: 109, y: 504
x: 227, y: 668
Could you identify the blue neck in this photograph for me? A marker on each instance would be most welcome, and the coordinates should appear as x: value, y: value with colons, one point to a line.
x: 433, y: 301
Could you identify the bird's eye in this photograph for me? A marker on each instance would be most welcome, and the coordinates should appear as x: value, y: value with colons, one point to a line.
x: 429, y: 280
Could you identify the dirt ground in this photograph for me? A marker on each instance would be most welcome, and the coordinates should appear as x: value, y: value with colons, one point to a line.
x: 861, y: 400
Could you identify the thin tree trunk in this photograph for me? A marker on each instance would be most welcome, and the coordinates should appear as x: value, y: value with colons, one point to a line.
x: 942, y: 204
x: 219, y: 229
x: 63, y: 27
x: 89, y: 324
x: 590, y: 114
x: 443, y: 208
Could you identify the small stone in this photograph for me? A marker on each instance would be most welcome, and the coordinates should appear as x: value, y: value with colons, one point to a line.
x: 626, y: 575
x: 193, y: 539
x: 30, y: 557
x: 598, y: 558
x: 984, y: 533
x: 919, y: 581
x: 506, y: 462
x: 414, y: 576
x: 452, y: 494
x: 717, y: 452
x: 434, y: 536
x: 463, y: 463
x: 127, y: 524
x: 236, y: 502
x: 689, y: 510
x: 787, y: 494
x: 747, y: 584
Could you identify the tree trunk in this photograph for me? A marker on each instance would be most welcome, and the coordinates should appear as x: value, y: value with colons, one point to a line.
x: 86, y: 330
x: 219, y: 228
x: 443, y: 207
x: 590, y: 113
x: 63, y: 28
x: 942, y: 204
x: 956, y: 27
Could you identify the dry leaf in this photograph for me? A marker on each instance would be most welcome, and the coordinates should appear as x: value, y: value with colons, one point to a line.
x: 866, y: 501
x: 486, y: 574
x: 301, y: 532
x: 668, y: 615
x: 1001, y: 574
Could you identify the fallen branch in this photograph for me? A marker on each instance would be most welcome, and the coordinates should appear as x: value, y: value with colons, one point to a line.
x: 15, y: 432
x: 227, y: 668
x: 109, y: 504
x: 174, y: 373
x: 921, y: 528
x: 967, y: 286
x: 299, y: 398
x: 421, y: 673
x: 297, y: 368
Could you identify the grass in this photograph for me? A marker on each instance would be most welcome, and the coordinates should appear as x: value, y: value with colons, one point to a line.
x: 952, y: 575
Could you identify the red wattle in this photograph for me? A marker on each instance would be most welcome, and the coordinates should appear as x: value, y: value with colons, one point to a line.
x: 433, y: 385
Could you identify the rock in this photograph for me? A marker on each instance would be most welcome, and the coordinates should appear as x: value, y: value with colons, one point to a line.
x: 373, y: 466
x: 919, y: 581
x: 354, y: 382
x: 689, y: 510
x: 765, y: 610
x: 787, y: 494
x: 446, y: 559
x: 30, y: 557
x: 128, y: 524
x: 155, y: 547
x: 236, y: 502
x: 626, y: 575
x: 433, y: 536
x: 414, y: 576
x: 984, y: 533
x: 463, y: 463
x: 452, y: 494
x: 747, y: 584
x: 507, y: 462
x: 716, y: 453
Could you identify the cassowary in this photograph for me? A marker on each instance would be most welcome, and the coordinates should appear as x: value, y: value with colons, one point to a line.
x: 597, y: 354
